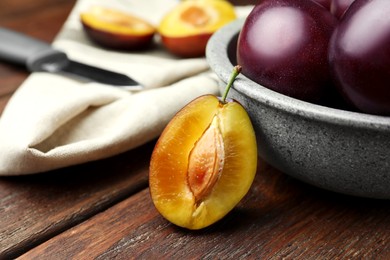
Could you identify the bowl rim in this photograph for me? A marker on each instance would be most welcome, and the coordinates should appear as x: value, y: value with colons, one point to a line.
x: 219, y: 62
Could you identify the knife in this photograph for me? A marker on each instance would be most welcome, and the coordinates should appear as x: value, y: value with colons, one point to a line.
x: 37, y: 55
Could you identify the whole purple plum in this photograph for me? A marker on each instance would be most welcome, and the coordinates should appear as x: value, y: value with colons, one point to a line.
x: 359, y: 55
x: 283, y: 46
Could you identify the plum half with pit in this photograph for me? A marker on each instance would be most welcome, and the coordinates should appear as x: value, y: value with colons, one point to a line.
x: 283, y: 46
x: 186, y: 29
x: 204, y: 162
x: 359, y: 55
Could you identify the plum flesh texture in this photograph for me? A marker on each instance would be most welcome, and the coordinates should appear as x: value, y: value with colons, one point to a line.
x: 177, y: 160
x: 114, y: 29
x: 186, y: 29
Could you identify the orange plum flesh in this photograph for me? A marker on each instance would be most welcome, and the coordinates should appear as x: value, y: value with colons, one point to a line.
x: 203, y: 163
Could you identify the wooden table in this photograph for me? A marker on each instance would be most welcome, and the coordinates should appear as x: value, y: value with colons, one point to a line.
x: 103, y: 209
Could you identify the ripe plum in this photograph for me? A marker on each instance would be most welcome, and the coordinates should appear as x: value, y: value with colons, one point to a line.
x: 283, y: 46
x: 359, y: 56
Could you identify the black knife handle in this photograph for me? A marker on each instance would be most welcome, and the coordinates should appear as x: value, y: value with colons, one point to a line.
x: 23, y: 50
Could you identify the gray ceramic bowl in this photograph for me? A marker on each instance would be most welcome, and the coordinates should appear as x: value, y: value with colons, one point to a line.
x: 334, y: 149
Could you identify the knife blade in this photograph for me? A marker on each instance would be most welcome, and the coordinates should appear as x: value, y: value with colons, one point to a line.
x: 37, y: 55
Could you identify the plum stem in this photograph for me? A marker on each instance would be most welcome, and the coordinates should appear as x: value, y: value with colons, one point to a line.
x: 236, y: 71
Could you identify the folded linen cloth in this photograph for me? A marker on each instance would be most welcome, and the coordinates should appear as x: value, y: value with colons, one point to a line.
x: 53, y: 121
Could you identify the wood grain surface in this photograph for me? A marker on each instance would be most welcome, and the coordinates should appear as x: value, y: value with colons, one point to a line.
x: 279, y: 218
x: 103, y: 209
x: 37, y: 207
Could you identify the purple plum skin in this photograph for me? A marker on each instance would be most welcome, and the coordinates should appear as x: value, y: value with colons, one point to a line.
x: 338, y: 7
x: 283, y: 46
x: 324, y: 3
x: 359, y: 56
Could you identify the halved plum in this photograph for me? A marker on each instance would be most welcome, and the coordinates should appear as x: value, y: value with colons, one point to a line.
x: 186, y: 29
x: 117, y: 30
x: 203, y: 163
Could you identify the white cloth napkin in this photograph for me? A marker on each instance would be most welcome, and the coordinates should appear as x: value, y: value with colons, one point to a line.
x: 53, y: 121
